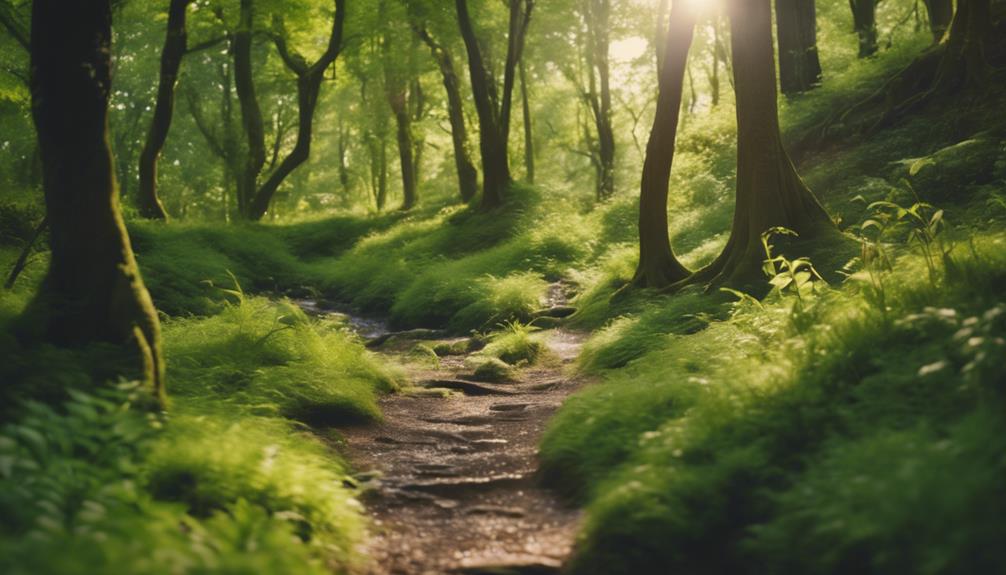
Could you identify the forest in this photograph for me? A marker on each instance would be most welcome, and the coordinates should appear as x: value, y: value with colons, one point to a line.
x: 503, y: 287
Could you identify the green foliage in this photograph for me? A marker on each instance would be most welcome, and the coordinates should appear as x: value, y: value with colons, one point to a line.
x: 515, y: 344
x: 494, y: 370
x: 716, y: 451
x: 77, y: 496
x: 269, y: 358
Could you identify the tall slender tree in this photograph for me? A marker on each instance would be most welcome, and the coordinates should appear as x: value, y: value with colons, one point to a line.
x: 528, y: 127
x: 174, y: 49
x: 310, y: 76
x: 596, y: 16
x: 494, y: 109
x: 93, y: 291
x: 658, y: 267
x: 864, y: 21
x: 467, y: 173
x: 796, y: 29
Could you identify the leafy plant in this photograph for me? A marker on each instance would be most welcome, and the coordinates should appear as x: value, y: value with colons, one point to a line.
x: 925, y: 226
x: 796, y: 277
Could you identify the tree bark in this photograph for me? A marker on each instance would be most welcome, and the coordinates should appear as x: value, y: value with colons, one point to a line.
x: 396, y: 94
x: 93, y: 291
x: 494, y: 111
x: 658, y: 267
x: 957, y: 64
x: 467, y: 173
x: 175, y: 46
x: 251, y: 113
x: 864, y: 20
x: 941, y: 13
x: 770, y: 193
x: 528, y: 133
x: 796, y: 29
x: 309, y: 79
x: 605, y: 132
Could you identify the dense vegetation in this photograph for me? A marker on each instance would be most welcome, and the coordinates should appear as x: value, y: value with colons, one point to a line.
x: 811, y: 389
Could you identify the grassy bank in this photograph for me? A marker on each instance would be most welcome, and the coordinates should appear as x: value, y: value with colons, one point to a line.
x: 230, y: 480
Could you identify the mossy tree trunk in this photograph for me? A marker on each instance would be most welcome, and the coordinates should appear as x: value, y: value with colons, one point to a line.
x: 864, y: 20
x: 174, y: 49
x: 770, y: 193
x: 468, y: 175
x: 796, y: 29
x: 658, y: 267
x: 93, y: 291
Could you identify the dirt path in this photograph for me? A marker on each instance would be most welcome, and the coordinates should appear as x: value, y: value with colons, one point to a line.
x: 452, y: 486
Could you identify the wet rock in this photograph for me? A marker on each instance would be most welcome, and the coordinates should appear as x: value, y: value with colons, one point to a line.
x: 498, y: 510
x: 526, y: 566
x: 558, y: 312
x: 462, y: 420
x: 408, y: 334
x: 509, y: 407
x: 466, y: 387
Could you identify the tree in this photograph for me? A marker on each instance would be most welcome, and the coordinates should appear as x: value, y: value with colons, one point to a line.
x: 957, y: 64
x: 528, y: 129
x: 796, y: 29
x: 467, y: 173
x: 770, y: 193
x: 309, y: 79
x: 93, y: 291
x: 596, y: 16
x: 494, y: 109
x: 175, y: 49
x: 398, y: 94
x: 941, y: 13
x: 864, y: 21
x: 658, y: 267
x: 175, y: 46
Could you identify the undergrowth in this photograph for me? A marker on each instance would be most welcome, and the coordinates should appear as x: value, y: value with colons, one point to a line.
x: 770, y: 441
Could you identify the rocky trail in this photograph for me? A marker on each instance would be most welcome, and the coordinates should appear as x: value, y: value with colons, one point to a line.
x: 449, y: 478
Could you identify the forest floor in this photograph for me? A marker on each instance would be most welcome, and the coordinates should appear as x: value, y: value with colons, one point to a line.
x: 449, y: 477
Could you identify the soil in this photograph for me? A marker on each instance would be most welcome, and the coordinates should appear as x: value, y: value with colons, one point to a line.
x: 449, y: 478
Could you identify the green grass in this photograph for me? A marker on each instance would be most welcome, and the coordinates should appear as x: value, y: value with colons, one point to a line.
x: 230, y: 480
x: 753, y: 446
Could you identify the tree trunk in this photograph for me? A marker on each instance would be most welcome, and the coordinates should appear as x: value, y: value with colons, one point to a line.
x: 964, y: 64
x: 403, y: 136
x: 171, y: 60
x: 528, y: 133
x: 796, y: 26
x: 770, y: 193
x: 251, y: 113
x: 22, y: 260
x: 309, y: 79
x: 957, y: 64
x: 93, y: 291
x: 467, y: 174
x: 494, y: 112
x: 941, y: 13
x: 864, y: 20
x: 605, y: 132
x: 658, y: 267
